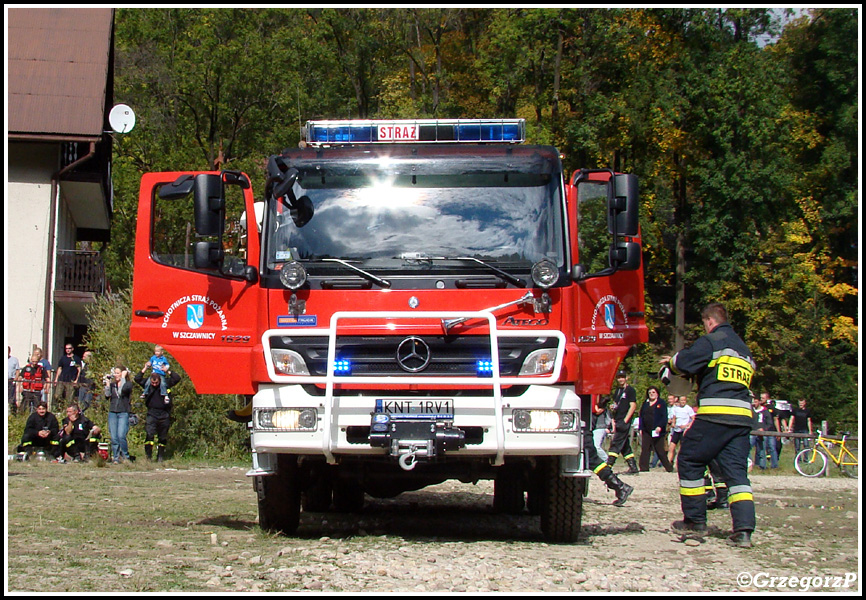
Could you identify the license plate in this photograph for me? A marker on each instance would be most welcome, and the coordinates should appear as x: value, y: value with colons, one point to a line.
x: 426, y: 408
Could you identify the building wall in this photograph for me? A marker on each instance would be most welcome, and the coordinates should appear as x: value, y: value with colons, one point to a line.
x: 28, y: 202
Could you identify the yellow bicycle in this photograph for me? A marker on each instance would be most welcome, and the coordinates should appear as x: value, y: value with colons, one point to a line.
x: 812, y: 462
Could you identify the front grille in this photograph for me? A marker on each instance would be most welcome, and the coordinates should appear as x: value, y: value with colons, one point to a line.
x: 450, y: 356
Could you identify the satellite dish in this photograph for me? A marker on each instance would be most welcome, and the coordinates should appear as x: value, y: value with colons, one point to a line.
x: 121, y: 118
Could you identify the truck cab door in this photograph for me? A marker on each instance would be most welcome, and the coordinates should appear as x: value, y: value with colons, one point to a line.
x: 195, y: 291
x: 608, y: 274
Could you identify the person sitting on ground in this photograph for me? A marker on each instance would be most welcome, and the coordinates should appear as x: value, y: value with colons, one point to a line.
x: 41, y: 431
x: 78, y: 436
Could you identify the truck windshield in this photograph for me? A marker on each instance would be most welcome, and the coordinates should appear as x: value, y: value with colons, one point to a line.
x: 505, y: 208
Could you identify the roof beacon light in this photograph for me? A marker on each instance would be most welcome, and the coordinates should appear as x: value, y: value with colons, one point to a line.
x: 432, y: 131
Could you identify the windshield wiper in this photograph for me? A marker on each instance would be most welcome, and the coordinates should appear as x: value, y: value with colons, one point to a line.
x: 368, y: 276
x: 421, y: 257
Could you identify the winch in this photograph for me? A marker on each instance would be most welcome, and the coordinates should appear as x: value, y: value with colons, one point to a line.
x: 412, y: 439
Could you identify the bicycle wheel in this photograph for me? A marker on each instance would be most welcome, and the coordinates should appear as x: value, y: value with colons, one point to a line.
x: 810, y: 463
x: 850, y: 464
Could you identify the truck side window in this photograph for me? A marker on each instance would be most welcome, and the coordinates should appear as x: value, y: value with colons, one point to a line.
x: 593, y: 239
x: 173, y: 234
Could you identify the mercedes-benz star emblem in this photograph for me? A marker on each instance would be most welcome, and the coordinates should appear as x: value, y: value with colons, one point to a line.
x: 413, y: 354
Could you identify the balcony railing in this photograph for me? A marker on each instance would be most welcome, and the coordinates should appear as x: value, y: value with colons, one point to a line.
x: 80, y: 271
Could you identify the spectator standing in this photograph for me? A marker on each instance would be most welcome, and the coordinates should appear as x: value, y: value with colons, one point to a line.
x: 683, y: 417
x: 66, y: 377
x: 764, y: 444
x: 33, y: 380
x: 13, y: 367
x: 801, y: 422
x: 85, y: 382
x: 49, y: 372
x: 158, y: 406
x: 118, y: 389
x: 653, y: 424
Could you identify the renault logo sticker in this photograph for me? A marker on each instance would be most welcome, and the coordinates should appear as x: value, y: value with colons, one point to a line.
x: 413, y: 354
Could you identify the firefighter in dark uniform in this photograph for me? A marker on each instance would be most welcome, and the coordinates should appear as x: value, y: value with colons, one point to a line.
x: 723, y: 366
x: 158, y: 412
x: 625, y: 405
x: 41, y: 431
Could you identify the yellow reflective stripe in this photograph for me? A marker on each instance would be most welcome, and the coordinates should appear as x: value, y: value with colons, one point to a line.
x: 684, y: 491
x: 724, y: 410
x: 599, y: 468
x: 740, y: 497
x: 628, y: 456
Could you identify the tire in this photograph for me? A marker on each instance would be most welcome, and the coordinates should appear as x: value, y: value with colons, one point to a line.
x: 562, y: 503
x: 279, y: 497
x: 810, y: 463
x: 851, y: 471
x: 508, y: 496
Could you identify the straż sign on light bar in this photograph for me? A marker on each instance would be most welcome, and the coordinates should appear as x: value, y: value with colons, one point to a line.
x: 398, y: 133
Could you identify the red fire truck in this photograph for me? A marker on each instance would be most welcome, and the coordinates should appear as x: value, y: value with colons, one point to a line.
x: 409, y: 302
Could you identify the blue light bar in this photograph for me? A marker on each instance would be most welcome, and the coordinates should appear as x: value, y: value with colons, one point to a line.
x: 484, y: 368
x: 426, y: 131
x: 342, y: 367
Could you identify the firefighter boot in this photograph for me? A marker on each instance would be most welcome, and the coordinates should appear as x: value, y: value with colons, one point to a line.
x: 632, y: 467
x: 622, y: 490
x: 148, y: 450
x: 160, y: 453
x: 741, y: 539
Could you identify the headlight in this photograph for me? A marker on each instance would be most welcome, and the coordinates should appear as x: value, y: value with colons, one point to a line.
x: 544, y: 420
x: 539, y: 362
x: 544, y: 273
x: 289, y: 362
x: 287, y: 419
x: 293, y: 275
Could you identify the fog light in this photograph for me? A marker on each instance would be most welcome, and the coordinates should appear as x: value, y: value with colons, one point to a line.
x: 288, y: 419
x: 544, y: 420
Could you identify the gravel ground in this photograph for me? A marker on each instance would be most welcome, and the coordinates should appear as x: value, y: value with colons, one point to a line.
x: 428, y: 541
x: 195, y: 530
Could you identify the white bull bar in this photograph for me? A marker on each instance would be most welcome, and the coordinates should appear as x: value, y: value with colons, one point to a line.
x: 495, y: 382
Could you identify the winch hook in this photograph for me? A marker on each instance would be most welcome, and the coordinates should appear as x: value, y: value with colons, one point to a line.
x: 408, y: 461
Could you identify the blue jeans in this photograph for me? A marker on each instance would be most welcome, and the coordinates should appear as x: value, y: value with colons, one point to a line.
x: 118, y: 427
x: 765, y: 445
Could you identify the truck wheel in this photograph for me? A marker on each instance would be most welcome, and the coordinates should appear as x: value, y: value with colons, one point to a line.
x: 508, y: 491
x: 562, y: 503
x: 279, y: 497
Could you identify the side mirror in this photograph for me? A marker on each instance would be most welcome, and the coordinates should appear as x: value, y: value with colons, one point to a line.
x: 209, y: 205
x: 625, y: 256
x: 208, y: 255
x: 624, y: 205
